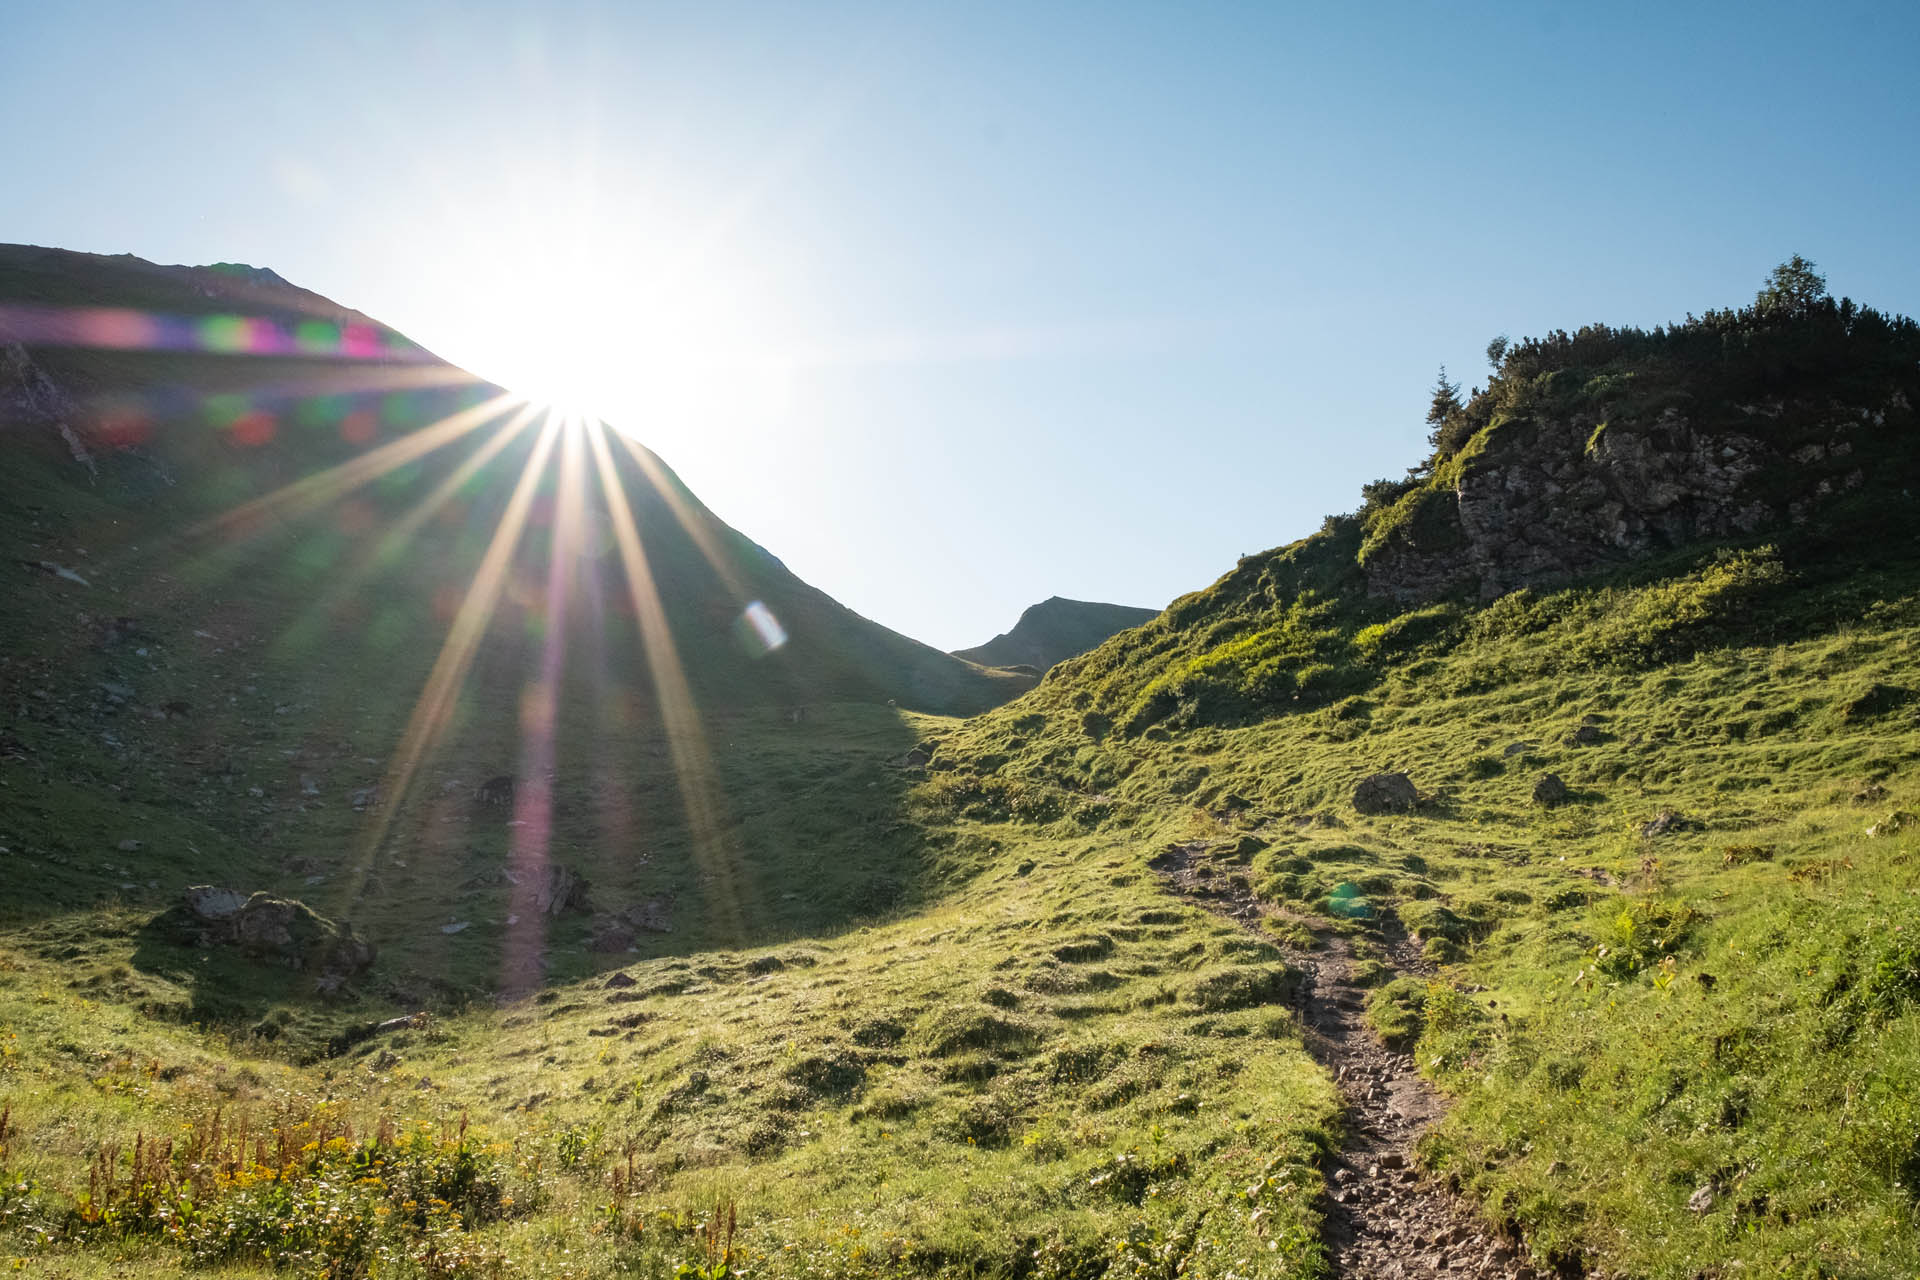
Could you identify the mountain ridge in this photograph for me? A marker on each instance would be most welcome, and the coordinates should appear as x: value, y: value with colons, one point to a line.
x: 276, y: 410
x: 1053, y: 630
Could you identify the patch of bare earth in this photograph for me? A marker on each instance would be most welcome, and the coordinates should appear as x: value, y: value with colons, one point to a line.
x: 1385, y: 1220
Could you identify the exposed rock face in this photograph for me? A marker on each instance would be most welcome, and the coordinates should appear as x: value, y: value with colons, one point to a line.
x: 565, y: 892
x: 276, y: 929
x: 1541, y: 501
x: 27, y: 395
x: 1386, y: 793
x: 210, y: 903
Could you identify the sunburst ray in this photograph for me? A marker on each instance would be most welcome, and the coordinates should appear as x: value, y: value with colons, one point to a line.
x: 715, y: 851
x: 434, y: 707
x: 395, y: 541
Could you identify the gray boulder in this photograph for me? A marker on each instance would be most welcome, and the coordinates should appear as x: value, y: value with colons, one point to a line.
x: 1665, y: 823
x: 564, y: 893
x: 1386, y: 793
x: 280, y: 931
x: 212, y: 904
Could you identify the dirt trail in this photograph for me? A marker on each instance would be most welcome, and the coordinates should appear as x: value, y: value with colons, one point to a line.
x: 1384, y: 1221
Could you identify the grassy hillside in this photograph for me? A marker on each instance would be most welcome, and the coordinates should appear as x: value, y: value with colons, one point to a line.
x: 305, y: 474
x: 1690, y: 972
x: 906, y: 995
x: 1054, y: 630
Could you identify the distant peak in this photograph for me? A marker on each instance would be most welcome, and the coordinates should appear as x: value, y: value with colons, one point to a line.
x: 242, y: 271
x: 1053, y: 630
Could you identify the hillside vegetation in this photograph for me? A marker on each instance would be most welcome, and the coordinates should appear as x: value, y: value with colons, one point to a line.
x: 226, y: 431
x: 928, y: 1004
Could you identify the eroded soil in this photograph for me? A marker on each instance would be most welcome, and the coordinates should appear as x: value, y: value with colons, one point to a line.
x: 1385, y: 1220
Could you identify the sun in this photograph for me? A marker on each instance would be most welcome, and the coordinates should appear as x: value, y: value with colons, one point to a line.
x: 648, y: 328
x: 605, y: 346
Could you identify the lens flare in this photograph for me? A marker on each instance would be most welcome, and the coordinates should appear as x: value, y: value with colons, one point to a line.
x: 120, y: 329
x: 668, y: 486
x: 434, y: 707
x: 393, y: 544
x: 309, y: 494
x: 760, y: 632
x: 724, y: 875
x: 533, y: 797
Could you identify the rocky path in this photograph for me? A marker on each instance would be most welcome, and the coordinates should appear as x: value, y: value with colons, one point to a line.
x: 1384, y: 1221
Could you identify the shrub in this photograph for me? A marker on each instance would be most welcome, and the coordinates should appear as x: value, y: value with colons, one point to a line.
x: 1407, y: 632
x: 1642, y: 934
x: 306, y: 1194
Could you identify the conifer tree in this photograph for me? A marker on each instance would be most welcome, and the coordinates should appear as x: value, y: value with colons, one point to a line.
x: 1446, y: 405
x: 1792, y: 287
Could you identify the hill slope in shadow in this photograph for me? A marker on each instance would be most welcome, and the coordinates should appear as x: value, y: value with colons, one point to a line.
x: 1053, y: 631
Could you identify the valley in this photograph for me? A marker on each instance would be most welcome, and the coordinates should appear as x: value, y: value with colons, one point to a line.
x: 1360, y: 914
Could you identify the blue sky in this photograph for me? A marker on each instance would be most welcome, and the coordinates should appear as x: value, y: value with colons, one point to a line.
x: 987, y: 303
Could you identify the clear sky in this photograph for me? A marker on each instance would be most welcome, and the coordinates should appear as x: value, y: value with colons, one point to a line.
x: 957, y: 307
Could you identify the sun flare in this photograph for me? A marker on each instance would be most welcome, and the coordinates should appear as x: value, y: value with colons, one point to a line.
x: 656, y: 334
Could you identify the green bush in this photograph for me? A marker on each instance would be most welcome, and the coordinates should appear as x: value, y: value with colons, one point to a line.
x: 307, y: 1196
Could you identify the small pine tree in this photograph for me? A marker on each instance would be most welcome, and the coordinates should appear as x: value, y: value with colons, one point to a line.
x: 1446, y: 400
x: 1791, y: 287
x: 1497, y: 351
x: 1444, y: 414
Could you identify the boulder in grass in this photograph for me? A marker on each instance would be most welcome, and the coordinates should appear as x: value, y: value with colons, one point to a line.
x: 212, y: 904
x: 655, y: 915
x: 1550, y: 790
x: 614, y: 931
x: 1666, y: 822
x: 565, y: 892
x: 1386, y: 793
x: 281, y: 931
x: 1892, y: 825
x: 611, y: 934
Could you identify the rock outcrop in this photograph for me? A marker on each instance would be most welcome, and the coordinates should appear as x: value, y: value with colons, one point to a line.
x: 278, y: 930
x: 1386, y: 793
x: 1542, y: 500
x: 28, y: 396
x: 564, y: 892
